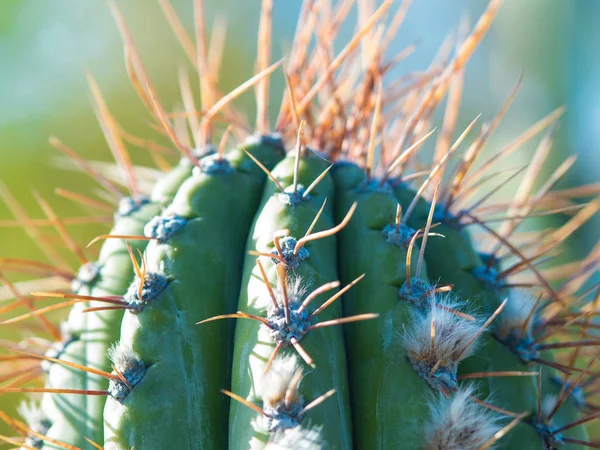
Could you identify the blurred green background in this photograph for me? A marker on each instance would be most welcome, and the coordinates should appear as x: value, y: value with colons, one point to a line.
x: 45, y: 46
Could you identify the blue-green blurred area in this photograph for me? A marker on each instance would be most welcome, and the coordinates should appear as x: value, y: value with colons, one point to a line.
x: 46, y: 46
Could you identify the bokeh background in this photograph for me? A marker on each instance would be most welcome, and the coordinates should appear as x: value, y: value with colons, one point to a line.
x: 45, y: 46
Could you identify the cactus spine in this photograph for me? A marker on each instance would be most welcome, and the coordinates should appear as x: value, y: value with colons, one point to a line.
x: 367, y: 315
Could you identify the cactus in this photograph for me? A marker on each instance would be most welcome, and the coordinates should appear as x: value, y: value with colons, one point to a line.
x: 312, y: 287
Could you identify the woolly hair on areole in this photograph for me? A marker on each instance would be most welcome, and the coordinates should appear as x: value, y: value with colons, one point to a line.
x: 322, y: 283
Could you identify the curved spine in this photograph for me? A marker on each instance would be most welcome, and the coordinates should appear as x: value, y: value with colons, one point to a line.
x: 75, y: 417
x: 176, y: 361
x: 460, y: 267
x: 383, y: 382
x: 253, y: 346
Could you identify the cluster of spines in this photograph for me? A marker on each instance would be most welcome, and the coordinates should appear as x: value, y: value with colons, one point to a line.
x: 561, y: 309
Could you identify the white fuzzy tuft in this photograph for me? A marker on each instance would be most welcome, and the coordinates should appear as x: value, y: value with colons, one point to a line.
x: 296, y: 288
x: 129, y: 366
x: 452, y: 343
x: 282, y: 402
x: 277, y: 381
x: 37, y: 421
x: 515, y: 313
x: 459, y: 423
x: 297, y: 438
x: 123, y: 357
x: 548, y: 404
x: 34, y: 416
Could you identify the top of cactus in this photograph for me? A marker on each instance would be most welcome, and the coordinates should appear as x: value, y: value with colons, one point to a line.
x: 344, y: 108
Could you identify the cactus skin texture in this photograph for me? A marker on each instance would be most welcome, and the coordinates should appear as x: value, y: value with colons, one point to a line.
x: 311, y: 287
x: 380, y: 375
x: 199, y: 267
x: 253, y: 346
x: 91, y: 334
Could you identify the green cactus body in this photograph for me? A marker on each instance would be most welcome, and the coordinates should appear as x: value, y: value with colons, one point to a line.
x: 388, y: 397
x: 521, y: 393
x: 512, y: 393
x: 69, y: 414
x: 455, y: 267
x: 181, y: 359
x: 459, y: 267
x: 569, y: 411
x: 253, y: 345
x: 76, y: 417
x: 318, y: 357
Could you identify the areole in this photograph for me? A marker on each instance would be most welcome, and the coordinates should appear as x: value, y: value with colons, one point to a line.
x: 316, y: 286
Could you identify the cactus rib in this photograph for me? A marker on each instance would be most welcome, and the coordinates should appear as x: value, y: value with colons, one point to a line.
x: 382, y: 297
